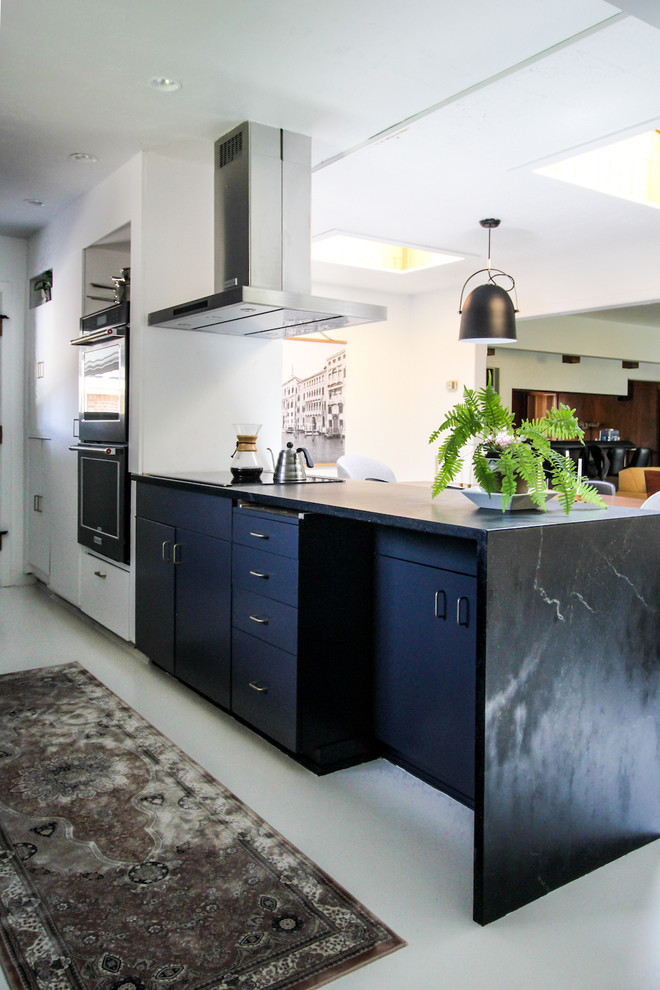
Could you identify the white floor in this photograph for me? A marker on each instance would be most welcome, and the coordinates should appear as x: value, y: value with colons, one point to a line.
x: 400, y: 847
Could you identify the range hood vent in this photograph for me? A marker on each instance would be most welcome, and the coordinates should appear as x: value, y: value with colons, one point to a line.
x: 262, y: 201
x: 226, y: 151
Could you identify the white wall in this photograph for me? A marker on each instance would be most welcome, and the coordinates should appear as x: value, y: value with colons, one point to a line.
x: 535, y: 362
x: 396, y: 391
x: 588, y: 336
x: 186, y: 389
x: 110, y: 205
x: 546, y: 372
x: 13, y: 293
x: 193, y: 386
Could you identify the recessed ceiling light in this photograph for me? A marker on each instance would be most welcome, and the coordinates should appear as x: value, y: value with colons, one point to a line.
x: 34, y: 202
x: 82, y: 156
x: 629, y: 169
x: 364, y: 252
x: 164, y: 85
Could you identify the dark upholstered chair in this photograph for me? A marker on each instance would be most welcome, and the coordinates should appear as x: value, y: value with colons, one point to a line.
x: 598, y: 461
x: 641, y: 457
x: 617, y: 458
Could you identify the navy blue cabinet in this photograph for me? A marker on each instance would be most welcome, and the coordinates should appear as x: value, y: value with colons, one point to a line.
x: 202, y: 616
x: 425, y: 661
x: 154, y: 591
x: 264, y: 611
x: 301, y: 667
x: 183, y: 587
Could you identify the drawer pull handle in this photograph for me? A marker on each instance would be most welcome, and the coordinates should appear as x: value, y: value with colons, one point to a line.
x: 260, y: 536
x: 101, y: 574
x: 260, y: 574
x: 262, y: 622
x: 440, y: 605
x: 463, y: 611
x: 258, y: 687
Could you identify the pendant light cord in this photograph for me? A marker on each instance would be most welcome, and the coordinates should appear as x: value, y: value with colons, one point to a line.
x: 493, y: 273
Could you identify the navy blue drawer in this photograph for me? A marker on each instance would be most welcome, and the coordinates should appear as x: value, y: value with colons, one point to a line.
x: 195, y: 511
x: 449, y: 552
x: 269, y: 620
x: 254, y: 529
x: 265, y: 573
x: 264, y: 688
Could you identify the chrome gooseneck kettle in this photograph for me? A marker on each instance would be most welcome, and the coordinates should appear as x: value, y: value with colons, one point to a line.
x: 290, y: 465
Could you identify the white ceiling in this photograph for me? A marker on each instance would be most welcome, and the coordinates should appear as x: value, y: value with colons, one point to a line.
x: 424, y: 116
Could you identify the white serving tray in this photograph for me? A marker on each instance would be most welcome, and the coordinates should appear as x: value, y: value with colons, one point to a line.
x: 483, y: 500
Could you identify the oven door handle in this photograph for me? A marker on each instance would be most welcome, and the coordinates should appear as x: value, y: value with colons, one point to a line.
x: 100, y: 336
x: 97, y: 448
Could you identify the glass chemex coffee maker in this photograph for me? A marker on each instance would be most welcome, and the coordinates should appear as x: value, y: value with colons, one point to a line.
x: 245, y: 463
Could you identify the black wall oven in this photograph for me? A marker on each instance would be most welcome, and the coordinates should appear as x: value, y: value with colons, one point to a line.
x: 103, y: 376
x: 103, y: 480
x: 104, y: 500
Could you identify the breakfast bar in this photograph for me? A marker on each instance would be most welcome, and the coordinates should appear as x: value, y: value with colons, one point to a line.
x: 510, y: 659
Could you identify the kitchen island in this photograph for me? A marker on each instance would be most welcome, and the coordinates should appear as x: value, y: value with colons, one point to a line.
x: 511, y: 659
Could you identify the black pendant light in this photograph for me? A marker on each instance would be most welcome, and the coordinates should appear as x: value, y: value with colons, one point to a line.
x: 489, y: 315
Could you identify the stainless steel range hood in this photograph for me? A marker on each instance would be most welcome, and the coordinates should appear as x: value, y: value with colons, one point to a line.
x: 263, y: 185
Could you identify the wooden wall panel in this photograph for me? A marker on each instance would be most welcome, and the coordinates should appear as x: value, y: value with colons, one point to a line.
x: 636, y: 416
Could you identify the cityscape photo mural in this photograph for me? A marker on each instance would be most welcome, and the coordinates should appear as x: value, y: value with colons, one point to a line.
x: 313, y: 397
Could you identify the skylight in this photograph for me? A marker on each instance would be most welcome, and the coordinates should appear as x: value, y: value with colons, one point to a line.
x: 363, y: 252
x: 629, y: 169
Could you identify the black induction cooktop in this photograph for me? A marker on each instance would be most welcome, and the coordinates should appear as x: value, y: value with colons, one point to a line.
x: 225, y: 479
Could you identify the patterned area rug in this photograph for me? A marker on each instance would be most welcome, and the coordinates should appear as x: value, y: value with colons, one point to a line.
x: 125, y: 866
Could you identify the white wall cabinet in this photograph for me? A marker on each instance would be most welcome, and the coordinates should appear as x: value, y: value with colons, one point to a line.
x: 38, y: 515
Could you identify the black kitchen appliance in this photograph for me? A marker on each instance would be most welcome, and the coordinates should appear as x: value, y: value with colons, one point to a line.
x: 224, y: 479
x: 103, y: 375
x: 104, y: 499
x: 103, y: 480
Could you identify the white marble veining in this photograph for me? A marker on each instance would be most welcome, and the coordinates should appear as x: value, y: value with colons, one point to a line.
x: 402, y: 848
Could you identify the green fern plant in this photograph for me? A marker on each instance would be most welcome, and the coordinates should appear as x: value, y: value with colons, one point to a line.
x: 504, y: 457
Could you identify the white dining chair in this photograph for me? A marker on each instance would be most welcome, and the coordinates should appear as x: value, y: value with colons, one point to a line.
x: 602, y: 487
x: 363, y: 468
x: 652, y: 502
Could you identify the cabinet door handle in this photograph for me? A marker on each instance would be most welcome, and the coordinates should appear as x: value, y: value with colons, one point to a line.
x: 262, y: 622
x: 260, y: 574
x: 463, y: 611
x: 37, y: 503
x: 260, y: 536
x: 165, y: 554
x: 100, y: 574
x: 176, y: 557
x: 440, y: 607
x: 258, y: 687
